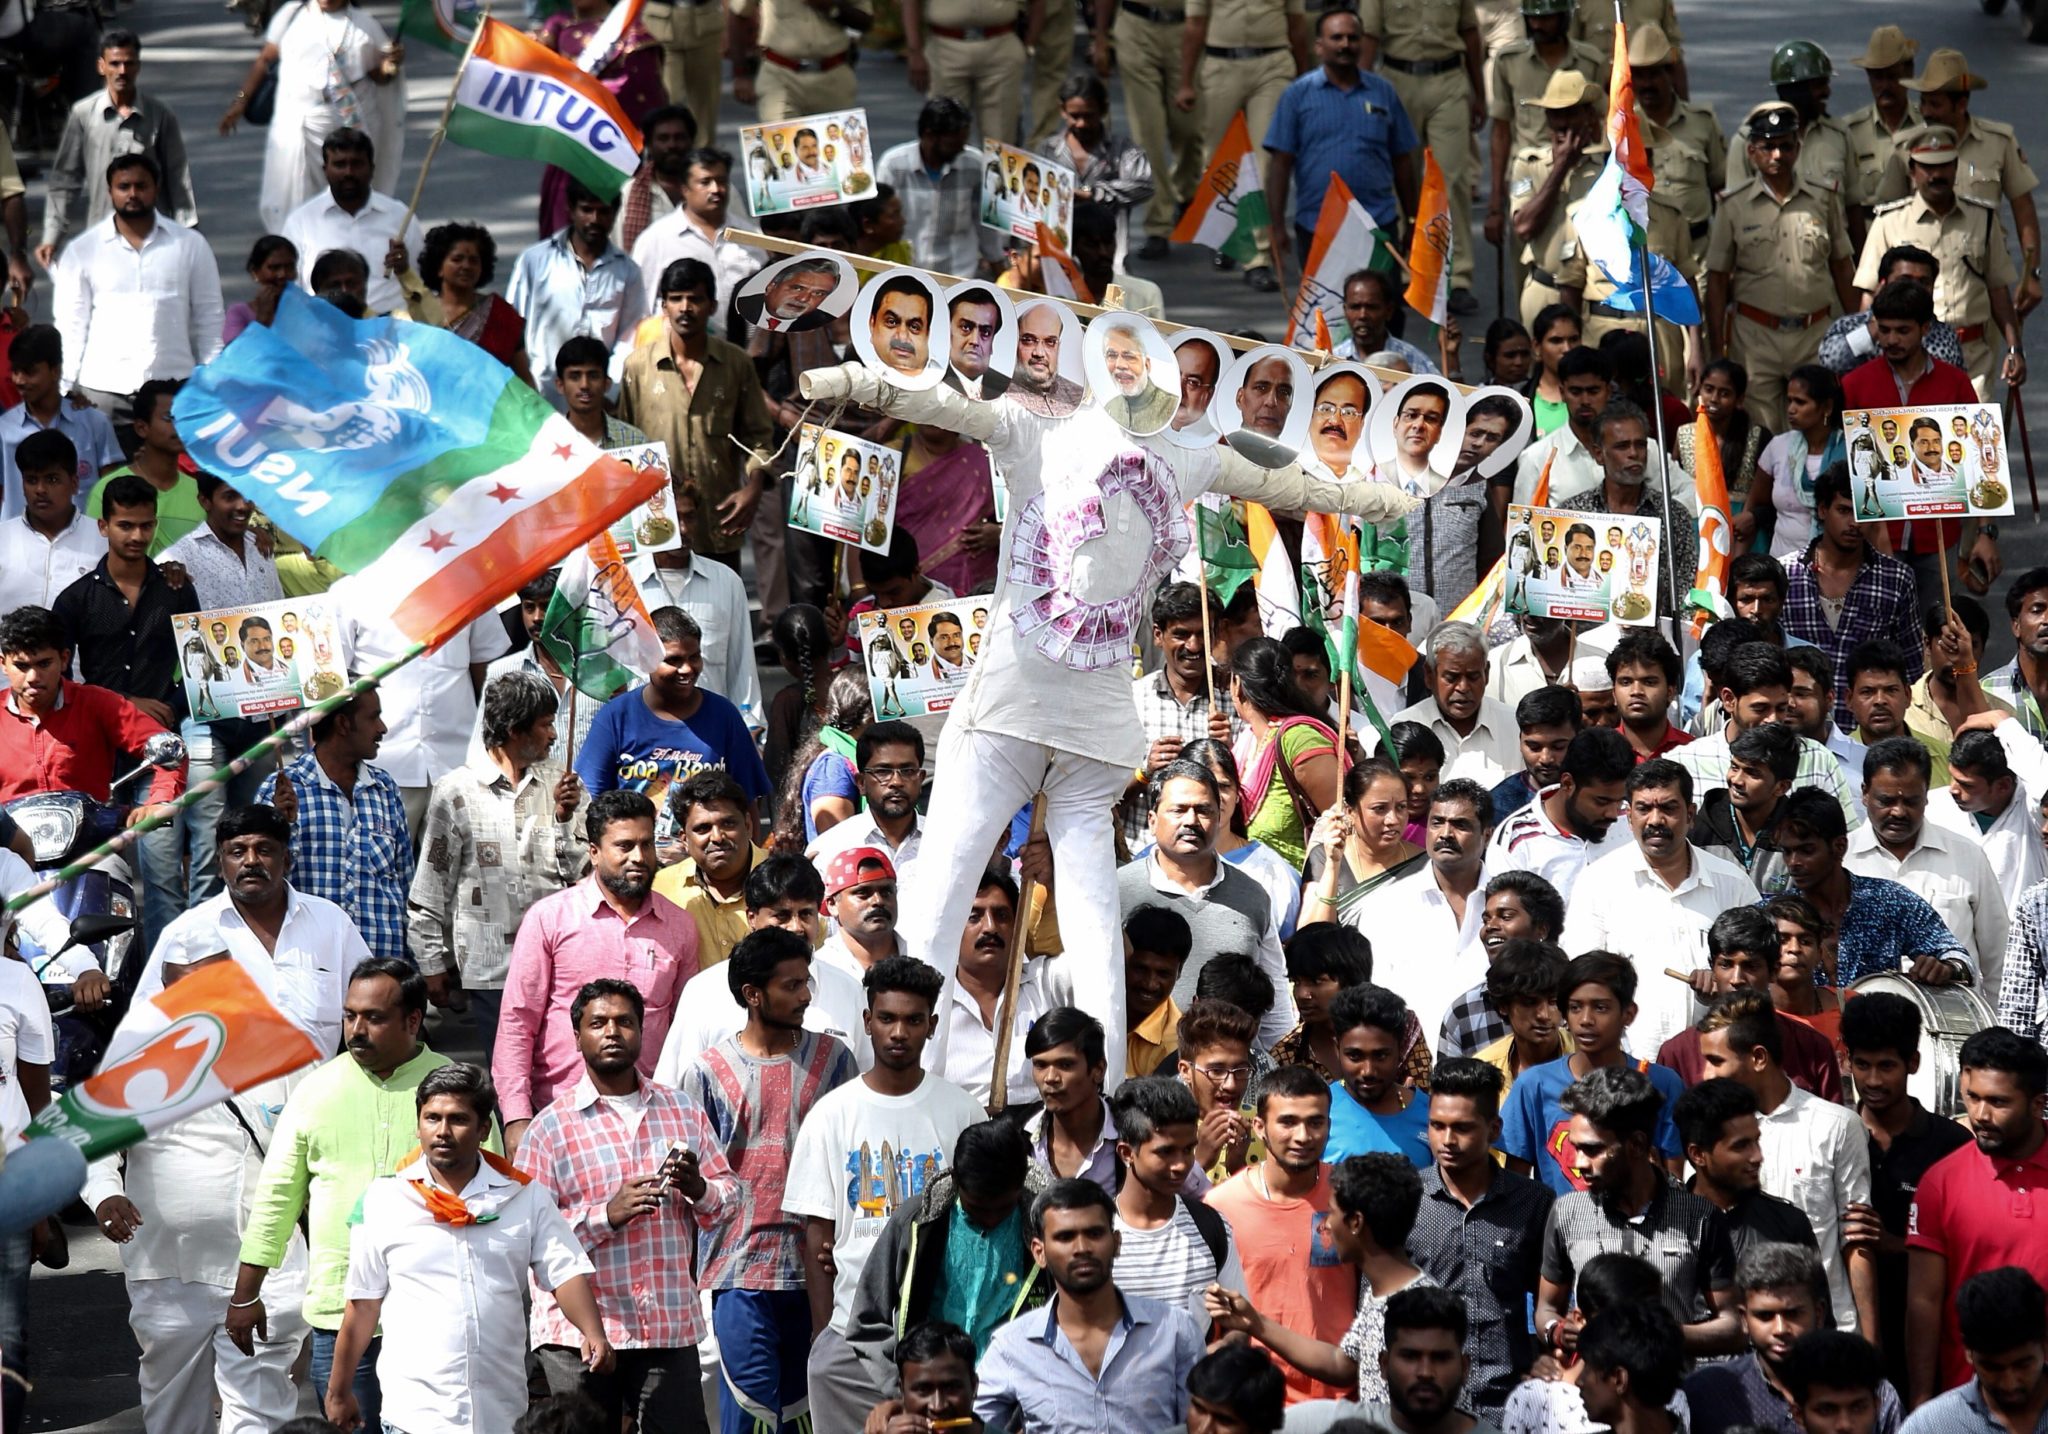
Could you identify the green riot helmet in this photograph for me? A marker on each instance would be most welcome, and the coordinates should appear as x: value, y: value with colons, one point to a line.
x: 1796, y: 61
x: 1546, y: 7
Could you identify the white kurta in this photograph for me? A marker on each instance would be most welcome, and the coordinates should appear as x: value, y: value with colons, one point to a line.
x: 323, y: 84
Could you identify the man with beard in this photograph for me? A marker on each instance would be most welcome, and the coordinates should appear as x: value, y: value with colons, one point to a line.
x: 656, y: 188
x: 2004, y: 1318
x: 1654, y: 900
x: 1371, y: 300
x: 1627, y: 489
x: 1547, y: 718
x: 757, y: 1088
x: 350, y: 214
x: 1038, y: 384
x: 866, y: 1150
x: 1572, y: 823
x: 1614, y: 1113
x: 1139, y: 405
x: 899, y: 325
x: 1425, y: 1366
x: 1265, y: 396
x: 973, y: 318
x: 298, y: 947
x: 337, y: 1133
x: 710, y: 882
x: 860, y: 897
x: 1438, y: 908
x: 612, y: 923
x: 1201, y: 365
x: 1966, y: 1216
x: 888, y: 763
x: 794, y: 299
x: 1030, y: 1379
x: 636, y: 1171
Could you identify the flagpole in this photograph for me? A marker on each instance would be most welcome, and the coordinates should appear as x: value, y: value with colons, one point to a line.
x: 1328, y: 890
x: 441, y: 130
x: 1208, y: 643
x: 119, y: 843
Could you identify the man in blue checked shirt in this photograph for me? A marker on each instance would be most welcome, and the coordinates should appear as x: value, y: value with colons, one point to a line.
x: 350, y: 842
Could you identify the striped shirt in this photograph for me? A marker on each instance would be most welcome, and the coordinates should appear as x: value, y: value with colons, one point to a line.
x: 1707, y: 760
x: 754, y: 1107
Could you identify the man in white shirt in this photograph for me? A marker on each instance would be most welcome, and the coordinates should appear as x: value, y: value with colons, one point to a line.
x: 1575, y: 822
x: 715, y: 596
x: 972, y: 1001
x: 223, y: 563
x: 137, y: 296
x: 1985, y: 800
x: 354, y: 216
x: 177, y: 1212
x: 576, y: 281
x: 1816, y: 1154
x: 51, y: 545
x: 1654, y: 900
x: 695, y: 229
x: 430, y: 703
x: 1949, y: 871
x: 1480, y: 738
x: 1437, y: 910
x: 299, y: 948
x: 1543, y: 654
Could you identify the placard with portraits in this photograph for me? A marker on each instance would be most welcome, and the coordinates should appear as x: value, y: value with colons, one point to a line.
x: 653, y: 526
x: 806, y: 162
x: 1021, y: 190
x: 1132, y: 372
x: 1414, y: 434
x: 259, y: 660
x: 1262, y: 405
x: 1342, y: 399
x: 1928, y: 461
x: 794, y: 295
x: 845, y: 488
x: 1202, y: 358
x: 1584, y: 567
x: 918, y: 658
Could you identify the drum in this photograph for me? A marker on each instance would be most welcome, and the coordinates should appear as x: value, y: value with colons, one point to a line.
x: 1949, y: 1015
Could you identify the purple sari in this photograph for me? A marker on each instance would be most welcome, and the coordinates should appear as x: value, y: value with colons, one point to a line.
x: 938, y: 504
x: 633, y: 74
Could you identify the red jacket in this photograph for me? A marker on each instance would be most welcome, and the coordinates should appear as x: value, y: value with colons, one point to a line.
x: 1871, y: 385
x: 74, y: 749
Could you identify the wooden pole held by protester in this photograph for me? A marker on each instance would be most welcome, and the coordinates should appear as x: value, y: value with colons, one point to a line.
x: 2019, y: 421
x: 1006, y: 1007
x: 1326, y: 891
x: 1208, y: 643
x: 441, y: 129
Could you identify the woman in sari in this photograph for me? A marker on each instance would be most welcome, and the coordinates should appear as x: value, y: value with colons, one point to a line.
x: 457, y: 264
x: 1738, y: 438
x: 1365, y: 838
x: 946, y: 501
x: 1287, y: 753
x: 820, y: 791
x: 632, y: 72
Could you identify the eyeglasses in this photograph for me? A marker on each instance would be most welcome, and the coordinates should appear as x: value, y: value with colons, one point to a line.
x: 1219, y: 1074
x: 1349, y: 410
x: 893, y: 774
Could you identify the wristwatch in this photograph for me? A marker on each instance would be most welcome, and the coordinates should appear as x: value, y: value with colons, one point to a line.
x: 1988, y: 530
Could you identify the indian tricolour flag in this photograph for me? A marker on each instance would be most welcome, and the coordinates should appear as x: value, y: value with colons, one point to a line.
x: 189, y: 1047
x: 1279, y: 593
x: 1347, y: 239
x: 517, y: 98
x: 404, y: 454
x: 597, y: 628
x: 1430, y: 251
x: 444, y: 24
x: 1228, y: 212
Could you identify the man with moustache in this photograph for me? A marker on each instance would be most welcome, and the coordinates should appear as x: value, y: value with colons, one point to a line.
x: 899, y: 325
x: 1140, y: 405
x: 860, y: 897
x: 1625, y: 455
x: 1200, y: 367
x: 888, y: 764
x: 1337, y: 420
x: 1038, y: 385
x: 793, y: 301
x: 1265, y: 397
x: 935, y: 1381
x: 1438, y: 908
x: 1425, y: 1366
x: 715, y: 820
x: 636, y: 1171
x: 973, y: 317
x: 974, y: 998
x: 948, y: 643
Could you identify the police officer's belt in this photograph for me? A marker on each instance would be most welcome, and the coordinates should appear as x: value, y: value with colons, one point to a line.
x: 1424, y: 67
x: 1700, y: 228
x: 1154, y: 13
x: 810, y: 67
x: 1241, y: 52
x: 1608, y: 311
x: 1784, y: 323
x: 972, y: 32
x: 1543, y: 277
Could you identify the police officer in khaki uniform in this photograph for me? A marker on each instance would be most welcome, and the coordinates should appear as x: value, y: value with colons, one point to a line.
x: 1874, y: 130
x: 796, y: 55
x: 1428, y: 50
x: 1594, y: 24
x: 1974, y: 290
x: 692, y: 34
x: 1547, y: 179
x: 973, y: 51
x: 1695, y: 127
x: 1989, y: 161
x: 1520, y: 73
x: 1242, y: 55
x: 1148, y: 40
x: 1803, y: 75
x: 1586, y: 287
x: 1778, y: 262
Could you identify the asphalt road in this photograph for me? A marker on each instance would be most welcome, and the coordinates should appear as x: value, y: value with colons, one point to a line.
x: 195, y: 55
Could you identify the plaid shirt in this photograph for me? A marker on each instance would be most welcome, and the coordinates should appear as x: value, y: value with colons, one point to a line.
x: 1161, y: 715
x: 1678, y: 554
x: 1707, y: 759
x: 2008, y: 685
x: 582, y: 1149
x: 2026, y: 959
x: 356, y: 852
x: 490, y: 850
x: 1471, y: 1025
x: 1883, y: 603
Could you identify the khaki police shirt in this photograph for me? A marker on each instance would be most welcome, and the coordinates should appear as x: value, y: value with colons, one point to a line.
x: 1530, y: 167
x: 1778, y: 254
x: 1679, y: 172
x: 1989, y: 165
x: 967, y: 14
x: 1667, y: 237
x: 1419, y: 29
x: 792, y: 28
x: 1874, y: 144
x: 1593, y: 22
x: 1520, y: 74
x: 1700, y: 127
x: 1242, y: 24
x: 1969, y: 241
x: 1827, y: 160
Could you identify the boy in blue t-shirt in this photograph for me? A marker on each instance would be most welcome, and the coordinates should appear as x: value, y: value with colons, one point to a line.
x: 1598, y: 996
x: 1371, y: 1108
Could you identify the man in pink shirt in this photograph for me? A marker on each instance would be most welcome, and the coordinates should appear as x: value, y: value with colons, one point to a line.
x: 611, y: 924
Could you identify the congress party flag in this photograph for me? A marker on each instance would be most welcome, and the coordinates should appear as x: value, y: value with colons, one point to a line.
x: 1228, y: 212
x: 518, y: 99
x: 1347, y: 239
x: 445, y: 24
x: 597, y: 628
x: 605, y: 40
x: 1220, y: 547
x: 1329, y: 564
x: 1709, y: 596
x: 1279, y: 596
x: 405, y: 454
x: 187, y: 1048
x: 1429, y: 253
x: 1061, y: 275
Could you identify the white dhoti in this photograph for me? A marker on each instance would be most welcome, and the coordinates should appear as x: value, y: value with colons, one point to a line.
x: 187, y: 1357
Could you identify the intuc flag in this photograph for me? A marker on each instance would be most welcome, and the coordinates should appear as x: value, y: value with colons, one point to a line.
x: 444, y: 24
x: 1347, y: 239
x: 187, y: 1048
x: 597, y: 627
x: 1429, y: 254
x: 604, y: 42
x: 518, y: 99
x: 1228, y: 212
x: 1709, y: 596
x: 404, y: 453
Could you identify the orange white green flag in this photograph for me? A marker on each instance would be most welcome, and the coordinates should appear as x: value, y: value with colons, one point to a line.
x: 1228, y: 212
x: 1347, y: 239
x: 1709, y: 596
x: 518, y: 99
x: 189, y: 1047
x: 1279, y: 594
x: 1057, y: 269
x: 1429, y: 253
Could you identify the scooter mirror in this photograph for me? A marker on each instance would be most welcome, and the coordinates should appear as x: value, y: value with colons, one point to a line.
x: 92, y: 929
x: 163, y: 750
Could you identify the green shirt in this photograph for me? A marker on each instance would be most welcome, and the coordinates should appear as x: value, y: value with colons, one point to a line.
x: 177, y: 512
x: 340, y: 1129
